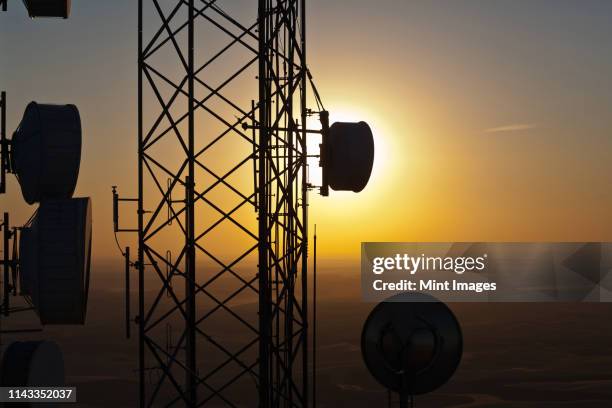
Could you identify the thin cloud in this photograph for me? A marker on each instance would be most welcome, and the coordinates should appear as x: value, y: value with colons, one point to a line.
x: 516, y: 127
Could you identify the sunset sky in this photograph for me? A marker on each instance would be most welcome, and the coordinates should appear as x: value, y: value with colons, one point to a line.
x: 492, y: 118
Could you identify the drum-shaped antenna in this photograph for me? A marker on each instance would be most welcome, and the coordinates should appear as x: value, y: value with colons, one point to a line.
x: 47, y: 151
x: 55, y: 269
x: 411, y: 343
x: 32, y: 364
x: 350, y: 156
x: 48, y: 8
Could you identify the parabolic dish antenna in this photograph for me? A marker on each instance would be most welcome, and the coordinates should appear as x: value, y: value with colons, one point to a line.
x: 32, y: 364
x: 411, y: 343
x: 349, y: 156
x: 56, y: 263
x: 46, y: 151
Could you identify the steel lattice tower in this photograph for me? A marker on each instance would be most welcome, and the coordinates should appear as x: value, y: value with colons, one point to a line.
x: 222, y: 163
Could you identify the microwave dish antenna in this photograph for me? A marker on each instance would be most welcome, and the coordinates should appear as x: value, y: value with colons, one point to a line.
x: 350, y: 156
x: 56, y: 259
x: 46, y: 151
x: 32, y: 364
x: 52, y: 263
x: 411, y: 344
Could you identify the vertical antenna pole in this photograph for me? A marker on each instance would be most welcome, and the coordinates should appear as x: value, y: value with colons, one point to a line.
x: 14, y: 258
x: 264, y: 297
x: 3, y: 4
x: 190, y: 332
x: 5, y: 264
x: 291, y: 233
x: 254, y: 139
x: 324, y: 117
x: 190, y: 292
x: 141, y: 292
x: 304, y: 159
x: 314, y: 320
x: 115, y: 209
x: 127, y: 292
x: 3, y: 141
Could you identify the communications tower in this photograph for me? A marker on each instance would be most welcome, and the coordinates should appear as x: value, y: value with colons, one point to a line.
x: 222, y: 202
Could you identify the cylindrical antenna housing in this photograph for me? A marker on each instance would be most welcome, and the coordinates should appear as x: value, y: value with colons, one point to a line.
x: 349, y: 156
x: 32, y: 364
x: 46, y: 151
x: 56, y: 265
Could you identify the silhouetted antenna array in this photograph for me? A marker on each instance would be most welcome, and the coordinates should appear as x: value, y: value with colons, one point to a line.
x: 53, y: 260
x: 46, y: 261
x: 194, y: 108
